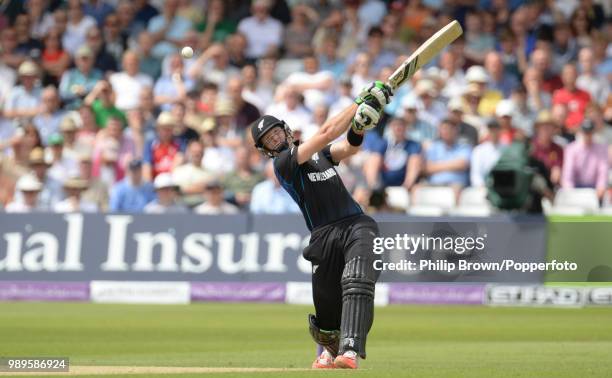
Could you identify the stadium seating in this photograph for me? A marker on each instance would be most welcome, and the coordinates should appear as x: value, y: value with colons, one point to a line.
x: 575, y: 201
x: 397, y: 197
x: 432, y: 201
x: 473, y: 203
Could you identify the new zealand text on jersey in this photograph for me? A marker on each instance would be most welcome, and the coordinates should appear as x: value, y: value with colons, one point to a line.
x: 322, y: 176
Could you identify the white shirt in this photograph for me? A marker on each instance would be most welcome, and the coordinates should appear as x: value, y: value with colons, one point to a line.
x: 9, y: 77
x: 208, y: 209
x: 484, y: 158
x: 454, y: 85
x: 189, y: 174
x: 298, y: 116
x: 127, y: 89
x: 218, y: 160
x: 598, y: 87
x: 261, y: 35
x: 66, y: 206
x: 74, y: 37
x: 312, y: 97
x: 20, y: 207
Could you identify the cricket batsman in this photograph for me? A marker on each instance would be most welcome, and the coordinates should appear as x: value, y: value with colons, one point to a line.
x: 341, y: 242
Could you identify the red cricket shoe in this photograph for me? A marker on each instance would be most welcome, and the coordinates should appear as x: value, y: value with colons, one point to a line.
x: 348, y: 360
x: 324, y: 361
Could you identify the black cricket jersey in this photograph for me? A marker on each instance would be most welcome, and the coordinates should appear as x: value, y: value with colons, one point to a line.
x: 315, y: 186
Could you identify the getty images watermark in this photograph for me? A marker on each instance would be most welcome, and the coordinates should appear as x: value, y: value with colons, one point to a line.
x: 459, y: 248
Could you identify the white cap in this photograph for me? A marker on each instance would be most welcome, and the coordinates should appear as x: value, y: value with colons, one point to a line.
x: 477, y: 74
x: 455, y: 103
x: 426, y: 86
x: 29, y: 183
x: 164, y: 180
x: 504, y: 108
x: 409, y: 102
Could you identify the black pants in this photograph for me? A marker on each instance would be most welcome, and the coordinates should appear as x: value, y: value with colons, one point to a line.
x: 331, y: 246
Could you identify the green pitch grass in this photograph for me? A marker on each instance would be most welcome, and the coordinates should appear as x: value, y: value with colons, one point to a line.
x: 406, y: 341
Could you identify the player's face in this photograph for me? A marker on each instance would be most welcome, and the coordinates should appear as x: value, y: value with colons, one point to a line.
x: 274, y: 138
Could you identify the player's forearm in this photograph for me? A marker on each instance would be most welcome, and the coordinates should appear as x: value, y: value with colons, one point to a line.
x: 338, y: 124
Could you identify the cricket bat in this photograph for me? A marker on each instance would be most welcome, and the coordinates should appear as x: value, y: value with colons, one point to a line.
x: 425, y: 53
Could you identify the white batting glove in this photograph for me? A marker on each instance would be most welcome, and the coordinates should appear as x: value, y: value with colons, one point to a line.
x: 366, y: 117
x: 377, y: 92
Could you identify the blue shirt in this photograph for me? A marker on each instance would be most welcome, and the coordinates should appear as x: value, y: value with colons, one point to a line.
x: 439, y: 152
x: 179, y: 26
x: 130, y: 199
x: 270, y: 199
x: 395, y: 160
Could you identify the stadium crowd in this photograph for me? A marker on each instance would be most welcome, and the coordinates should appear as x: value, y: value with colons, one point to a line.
x: 99, y: 111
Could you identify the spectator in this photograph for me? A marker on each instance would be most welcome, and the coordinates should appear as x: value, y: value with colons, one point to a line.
x: 564, y: 47
x: 88, y: 129
x: 537, y: 98
x: 103, y: 61
x: 182, y: 131
x: 523, y: 116
x: 504, y: 113
x: 478, y: 77
x: 236, y: 51
x: 418, y: 130
x: 218, y: 159
x: 54, y: 59
x: 68, y: 130
x: 264, y: 34
x: 191, y: 177
x: 452, y: 74
x: 261, y: 97
x: 24, y: 100
x: 143, y: 13
x: 585, y: 162
x: 26, y: 139
x: 215, y: 204
x: 316, y: 86
x: 77, y: 82
x: 362, y: 74
x: 74, y: 188
x: 149, y: 65
x: 97, y: 9
x: 344, y: 97
x: 217, y: 26
x: 575, y: 99
x: 112, y: 151
x: 131, y: 194
x: 164, y: 152
x: 478, y: 41
x: 26, y: 45
x: 213, y: 65
x: 102, y: 99
x: 298, y: 34
x: 269, y: 198
x: 173, y: 85
x: 167, y: 196
x: 290, y: 109
x: 430, y: 110
x: 128, y: 83
x: 397, y: 161
x: 168, y: 29
x: 597, y: 86
x: 48, y: 120
x: 246, y: 113
x: 114, y: 41
x: 29, y: 187
x: 380, y: 57
x: 544, y: 149
x: 51, y: 192
x: 498, y: 79
x: 240, y: 182
x: 61, y: 166
x: 97, y: 191
x: 329, y: 59
x: 78, y: 24
x: 485, y: 155
x: 447, y: 161
x: 541, y: 61
x: 467, y: 133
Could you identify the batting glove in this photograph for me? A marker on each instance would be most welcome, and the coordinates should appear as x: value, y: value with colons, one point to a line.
x: 378, y: 92
x: 366, y: 117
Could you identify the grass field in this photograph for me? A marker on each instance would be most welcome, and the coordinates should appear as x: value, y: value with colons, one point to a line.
x: 418, y: 341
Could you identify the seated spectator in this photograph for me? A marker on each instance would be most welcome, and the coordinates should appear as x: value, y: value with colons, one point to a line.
x: 26, y: 139
x: 191, y: 177
x: 537, y: 98
x: 114, y: 40
x: 97, y: 191
x: 24, y: 100
x: 112, y: 152
x: 596, y: 85
x: 62, y: 167
x: 97, y: 9
x: 523, y: 116
x: 585, y: 162
x: 173, y: 85
x: 447, y: 162
x: 544, y: 149
x: 499, y: 80
x: 164, y: 152
x: 88, y: 129
x: 290, y: 109
x: 485, y: 155
x: 215, y: 204
x: 168, y: 29
x: 217, y: 25
x: 68, y: 129
x: 467, y: 133
x: 471, y: 115
x: 418, y: 130
x: 182, y: 131
x: 374, y: 48
x: 102, y: 102
x: 128, y: 83
x: 478, y: 76
x: 264, y: 34
x: 240, y: 182
x: 29, y: 187
x: 54, y: 59
x: 74, y: 203
x: 452, y: 74
x: 245, y: 112
x: 213, y: 66
x: 77, y: 82
x: 26, y: 44
x: 316, y: 86
x: 297, y: 39
x: 575, y: 99
x: 541, y: 60
x: 329, y: 58
x: 397, y: 161
x: 149, y: 65
x: 103, y: 60
x: 477, y: 41
x: 504, y: 113
x: 269, y: 197
x: 218, y: 159
x: 167, y: 196
x: 10, y: 54
x: 76, y: 27
x: 131, y: 194
x: 48, y: 120
x: 51, y: 192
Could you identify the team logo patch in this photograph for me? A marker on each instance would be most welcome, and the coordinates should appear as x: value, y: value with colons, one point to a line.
x: 261, y: 125
x: 315, y: 157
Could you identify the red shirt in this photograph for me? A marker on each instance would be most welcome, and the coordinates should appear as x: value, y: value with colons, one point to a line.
x: 551, y: 155
x: 161, y: 156
x: 576, y: 103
